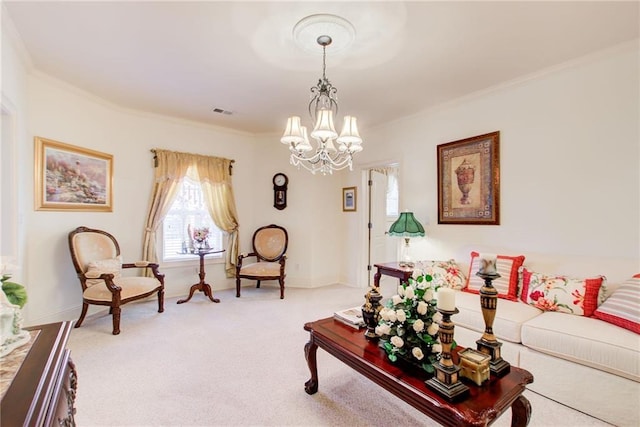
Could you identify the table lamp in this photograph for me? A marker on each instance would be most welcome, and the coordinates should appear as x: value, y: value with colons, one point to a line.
x: 406, y: 226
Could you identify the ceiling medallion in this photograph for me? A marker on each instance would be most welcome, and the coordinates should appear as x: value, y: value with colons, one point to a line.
x: 307, y: 31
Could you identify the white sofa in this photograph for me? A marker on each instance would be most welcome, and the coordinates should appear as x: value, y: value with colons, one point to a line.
x: 582, y: 362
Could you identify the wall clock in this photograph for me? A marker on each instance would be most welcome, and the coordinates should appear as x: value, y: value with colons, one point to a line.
x: 280, y: 182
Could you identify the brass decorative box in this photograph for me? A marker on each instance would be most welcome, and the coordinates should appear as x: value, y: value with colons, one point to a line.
x: 474, y: 365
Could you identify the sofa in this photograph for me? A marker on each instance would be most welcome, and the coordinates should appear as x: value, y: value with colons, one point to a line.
x: 576, y: 358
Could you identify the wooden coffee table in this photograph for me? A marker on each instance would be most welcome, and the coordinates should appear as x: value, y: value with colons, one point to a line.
x: 482, y: 407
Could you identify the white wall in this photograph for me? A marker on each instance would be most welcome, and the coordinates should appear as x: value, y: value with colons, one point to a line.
x: 14, y: 122
x: 64, y: 114
x: 569, y: 156
x: 313, y: 217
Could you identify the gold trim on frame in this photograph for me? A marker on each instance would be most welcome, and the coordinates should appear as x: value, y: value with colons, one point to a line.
x: 469, y: 180
x: 70, y: 178
x: 349, y: 199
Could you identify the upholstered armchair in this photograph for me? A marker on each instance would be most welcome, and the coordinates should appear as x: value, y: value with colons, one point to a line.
x: 98, y: 263
x: 270, y: 252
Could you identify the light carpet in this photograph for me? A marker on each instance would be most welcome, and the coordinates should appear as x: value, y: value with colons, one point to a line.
x: 240, y: 362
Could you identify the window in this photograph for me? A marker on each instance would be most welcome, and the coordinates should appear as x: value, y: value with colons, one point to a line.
x: 393, y: 203
x: 188, y: 209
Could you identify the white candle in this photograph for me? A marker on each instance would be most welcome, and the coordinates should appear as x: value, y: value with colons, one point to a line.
x: 487, y: 263
x: 446, y: 299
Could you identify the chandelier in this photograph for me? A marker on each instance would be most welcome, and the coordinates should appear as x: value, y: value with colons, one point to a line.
x: 323, y: 107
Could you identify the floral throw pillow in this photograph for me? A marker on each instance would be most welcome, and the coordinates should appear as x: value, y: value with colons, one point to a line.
x: 622, y: 308
x: 443, y: 273
x: 96, y: 268
x: 507, y: 284
x: 561, y: 293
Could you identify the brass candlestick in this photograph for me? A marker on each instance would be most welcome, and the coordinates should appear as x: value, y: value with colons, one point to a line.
x: 371, y: 312
x: 488, y: 344
x: 447, y: 381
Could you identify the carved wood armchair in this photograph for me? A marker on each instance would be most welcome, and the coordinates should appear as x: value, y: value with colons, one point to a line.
x: 98, y: 263
x: 270, y: 251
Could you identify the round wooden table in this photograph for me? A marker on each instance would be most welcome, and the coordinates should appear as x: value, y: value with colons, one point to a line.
x: 202, y: 286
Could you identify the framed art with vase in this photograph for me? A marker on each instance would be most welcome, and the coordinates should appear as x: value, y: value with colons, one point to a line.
x: 469, y: 180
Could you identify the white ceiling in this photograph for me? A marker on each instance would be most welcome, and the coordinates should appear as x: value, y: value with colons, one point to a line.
x: 185, y: 58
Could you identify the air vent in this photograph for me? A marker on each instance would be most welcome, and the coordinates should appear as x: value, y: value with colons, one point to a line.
x: 221, y: 111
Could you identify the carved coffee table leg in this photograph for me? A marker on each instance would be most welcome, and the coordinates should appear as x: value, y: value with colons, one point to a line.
x: 310, y: 350
x: 520, y: 412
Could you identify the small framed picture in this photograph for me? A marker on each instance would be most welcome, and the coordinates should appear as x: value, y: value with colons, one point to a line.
x: 70, y: 178
x: 349, y: 202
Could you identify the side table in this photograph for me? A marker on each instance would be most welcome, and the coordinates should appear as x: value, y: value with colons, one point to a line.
x: 392, y: 269
x: 202, y: 286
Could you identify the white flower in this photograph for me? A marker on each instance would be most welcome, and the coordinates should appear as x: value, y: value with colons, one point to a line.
x: 417, y: 353
x: 397, y: 341
x: 428, y: 295
x: 433, y: 328
x: 418, y: 325
x: 383, y: 329
x: 409, y: 293
x: 436, y: 348
x: 437, y: 317
x: 384, y: 314
x: 422, y: 308
x: 416, y: 273
x: 401, y: 290
x: 397, y: 299
x: 392, y: 316
x: 401, y: 315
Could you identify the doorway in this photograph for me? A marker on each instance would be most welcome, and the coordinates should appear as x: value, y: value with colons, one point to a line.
x: 383, y: 210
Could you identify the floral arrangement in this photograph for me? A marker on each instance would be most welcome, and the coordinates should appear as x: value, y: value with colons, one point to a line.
x: 200, y: 234
x: 408, y: 325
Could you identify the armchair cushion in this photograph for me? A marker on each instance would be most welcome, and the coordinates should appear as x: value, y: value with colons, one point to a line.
x: 264, y: 269
x: 96, y: 268
x: 131, y: 287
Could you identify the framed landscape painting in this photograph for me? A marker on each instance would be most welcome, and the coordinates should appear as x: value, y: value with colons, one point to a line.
x: 70, y: 178
x: 469, y: 180
x: 349, y: 199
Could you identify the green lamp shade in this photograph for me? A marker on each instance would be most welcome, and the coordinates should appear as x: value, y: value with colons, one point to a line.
x: 406, y: 226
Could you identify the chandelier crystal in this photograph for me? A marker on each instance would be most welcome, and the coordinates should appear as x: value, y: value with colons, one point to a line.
x: 323, y: 107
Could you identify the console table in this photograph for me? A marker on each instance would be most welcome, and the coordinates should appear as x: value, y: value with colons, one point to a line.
x: 202, y: 286
x: 481, y: 408
x: 43, y: 391
x: 392, y: 269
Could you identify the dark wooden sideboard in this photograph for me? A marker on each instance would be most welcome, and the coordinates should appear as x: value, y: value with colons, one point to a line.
x: 43, y: 390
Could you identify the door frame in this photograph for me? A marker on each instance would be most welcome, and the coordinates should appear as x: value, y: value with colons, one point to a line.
x: 364, y: 274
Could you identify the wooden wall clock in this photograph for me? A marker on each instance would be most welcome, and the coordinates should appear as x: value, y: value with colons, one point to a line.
x: 280, y: 183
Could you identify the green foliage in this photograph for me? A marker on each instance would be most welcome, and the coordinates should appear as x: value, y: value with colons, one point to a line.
x: 16, y: 294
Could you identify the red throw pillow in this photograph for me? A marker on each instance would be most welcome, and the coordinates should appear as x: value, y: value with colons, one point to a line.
x: 561, y: 293
x: 622, y: 308
x: 506, y: 284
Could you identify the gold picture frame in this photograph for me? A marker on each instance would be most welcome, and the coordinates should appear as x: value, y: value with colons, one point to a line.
x: 70, y: 178
x: 349, y: 199
x: 469, y: 180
